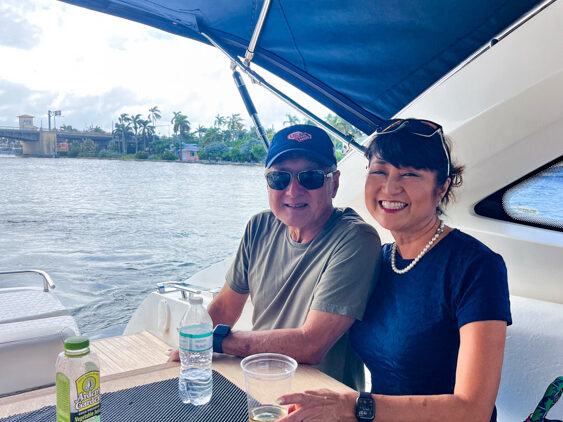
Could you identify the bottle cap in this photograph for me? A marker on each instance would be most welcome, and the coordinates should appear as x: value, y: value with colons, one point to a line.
x: 196, y: 300
x: 76, y: 343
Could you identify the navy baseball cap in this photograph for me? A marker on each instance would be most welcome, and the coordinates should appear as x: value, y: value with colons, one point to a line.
x: 311, y: 140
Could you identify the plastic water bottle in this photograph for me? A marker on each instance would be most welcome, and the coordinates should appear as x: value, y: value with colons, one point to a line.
x: 78, y: 382
x: 196, y: 351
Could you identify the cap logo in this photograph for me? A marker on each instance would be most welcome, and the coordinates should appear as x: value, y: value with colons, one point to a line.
x: 299, y: 136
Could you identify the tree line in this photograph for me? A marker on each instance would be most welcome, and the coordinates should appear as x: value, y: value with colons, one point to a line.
x: 226, y: 139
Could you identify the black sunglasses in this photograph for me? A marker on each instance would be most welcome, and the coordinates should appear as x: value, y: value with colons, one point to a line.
x: 418, y: 127
x: 310, y: 179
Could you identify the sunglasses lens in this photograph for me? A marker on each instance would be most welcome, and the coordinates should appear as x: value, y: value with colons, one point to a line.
x: 313, y: 179
x: 278, y: 180
x: 393, y: 126
x: 424, y: 127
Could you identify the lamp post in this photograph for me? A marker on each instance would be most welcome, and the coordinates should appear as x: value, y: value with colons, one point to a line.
x: 53, y: 113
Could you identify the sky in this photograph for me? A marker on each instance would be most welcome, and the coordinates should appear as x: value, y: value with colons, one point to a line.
x: 93, y: 67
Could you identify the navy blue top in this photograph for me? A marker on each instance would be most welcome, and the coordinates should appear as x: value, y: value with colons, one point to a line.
x: 409, y: 336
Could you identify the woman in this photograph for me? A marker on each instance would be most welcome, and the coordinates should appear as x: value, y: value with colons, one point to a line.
x: 434, y: 331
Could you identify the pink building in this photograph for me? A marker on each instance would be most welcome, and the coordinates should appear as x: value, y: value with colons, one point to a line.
x: 189, y: 152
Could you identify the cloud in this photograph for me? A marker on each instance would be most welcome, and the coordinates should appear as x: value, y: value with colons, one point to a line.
x: 15, y: 30
x: 93, y: 75
x: 18, y: 99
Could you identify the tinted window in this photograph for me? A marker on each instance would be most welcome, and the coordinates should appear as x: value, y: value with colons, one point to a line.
x: 536, y: 199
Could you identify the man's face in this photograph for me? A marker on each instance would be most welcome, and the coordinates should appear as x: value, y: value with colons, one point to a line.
x: 297, y: 207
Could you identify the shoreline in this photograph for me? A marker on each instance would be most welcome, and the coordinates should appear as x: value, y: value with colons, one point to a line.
x: 236, y: 163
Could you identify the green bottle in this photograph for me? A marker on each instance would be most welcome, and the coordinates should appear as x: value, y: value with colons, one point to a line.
x: 78, y: 382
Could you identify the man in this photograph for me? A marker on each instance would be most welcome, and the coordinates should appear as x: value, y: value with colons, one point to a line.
x: 309, y: 268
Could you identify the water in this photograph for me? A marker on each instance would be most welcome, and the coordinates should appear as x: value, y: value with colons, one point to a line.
x: 108, y: 231
x: 538, y: 199
x: 266, y: 413
x: 195, y: 385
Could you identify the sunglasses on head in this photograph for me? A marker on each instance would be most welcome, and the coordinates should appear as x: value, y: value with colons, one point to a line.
x: 310, y: 179
x: 424, y: 128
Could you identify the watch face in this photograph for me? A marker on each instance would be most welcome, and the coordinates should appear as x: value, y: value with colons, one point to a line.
x: 364, y: 408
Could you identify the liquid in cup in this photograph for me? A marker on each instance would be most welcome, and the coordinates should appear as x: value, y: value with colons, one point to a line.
x: 266, y: 377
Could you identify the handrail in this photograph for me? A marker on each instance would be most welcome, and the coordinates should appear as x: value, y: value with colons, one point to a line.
x: 185, y: 288
x: 47, y: 282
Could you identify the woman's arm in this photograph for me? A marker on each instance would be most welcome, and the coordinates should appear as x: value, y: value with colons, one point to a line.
x: 477, y: 380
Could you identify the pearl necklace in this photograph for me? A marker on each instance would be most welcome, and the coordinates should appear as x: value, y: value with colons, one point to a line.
x: 439, y: 231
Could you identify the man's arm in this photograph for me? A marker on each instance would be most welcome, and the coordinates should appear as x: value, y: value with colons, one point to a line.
x: 227, y: 306
x: 307, y: 344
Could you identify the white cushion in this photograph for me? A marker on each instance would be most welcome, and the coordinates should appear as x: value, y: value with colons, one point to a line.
x: 533, y: 358
x: 33, y: 327
x: 25, y: 303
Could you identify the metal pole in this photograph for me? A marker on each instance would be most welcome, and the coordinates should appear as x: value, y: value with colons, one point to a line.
x: 250, y: 107
x: 349, y: 139
x: 250, y: 50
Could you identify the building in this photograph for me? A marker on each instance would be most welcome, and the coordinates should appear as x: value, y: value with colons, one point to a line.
x: 26, y: 122
x: 189, y: 152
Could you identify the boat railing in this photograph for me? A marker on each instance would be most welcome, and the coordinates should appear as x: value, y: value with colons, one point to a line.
x: 186, y: 289
x: 47, y: 281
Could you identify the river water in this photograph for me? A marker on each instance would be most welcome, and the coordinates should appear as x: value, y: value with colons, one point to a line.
x: 108, y: 231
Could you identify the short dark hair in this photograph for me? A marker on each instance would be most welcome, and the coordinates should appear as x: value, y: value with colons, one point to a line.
x: 402, y: 148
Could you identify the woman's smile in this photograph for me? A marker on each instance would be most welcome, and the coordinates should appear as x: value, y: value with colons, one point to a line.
x: 392, y: 206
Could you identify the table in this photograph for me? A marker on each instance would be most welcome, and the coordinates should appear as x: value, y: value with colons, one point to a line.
x: 306, y: 377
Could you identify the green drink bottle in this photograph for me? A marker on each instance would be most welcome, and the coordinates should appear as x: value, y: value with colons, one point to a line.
x: 78, y: 382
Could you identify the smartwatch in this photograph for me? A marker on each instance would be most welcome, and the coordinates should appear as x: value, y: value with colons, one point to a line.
x: 365, y: 407
x: 219, y: 333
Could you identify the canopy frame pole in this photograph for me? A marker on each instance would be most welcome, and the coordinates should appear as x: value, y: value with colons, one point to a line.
x: 257, y: 30
x: 249, y: 104
x: 257, y: 79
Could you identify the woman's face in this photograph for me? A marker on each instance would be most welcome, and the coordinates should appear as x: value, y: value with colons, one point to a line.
x: 402, y: 199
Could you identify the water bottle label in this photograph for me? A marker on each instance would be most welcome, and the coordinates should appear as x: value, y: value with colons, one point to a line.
x: 195, y: 340
x: 87, y: 401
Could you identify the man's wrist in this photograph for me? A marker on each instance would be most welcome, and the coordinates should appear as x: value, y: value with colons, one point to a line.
x: 219, y: 333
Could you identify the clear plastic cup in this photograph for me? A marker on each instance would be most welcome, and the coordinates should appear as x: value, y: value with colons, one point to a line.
x: 266, y: 377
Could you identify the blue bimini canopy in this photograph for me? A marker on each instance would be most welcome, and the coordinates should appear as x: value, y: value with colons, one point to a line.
x: 363, y: 59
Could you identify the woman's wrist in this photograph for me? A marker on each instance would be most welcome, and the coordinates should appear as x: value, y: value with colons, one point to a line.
x: 349, y: 399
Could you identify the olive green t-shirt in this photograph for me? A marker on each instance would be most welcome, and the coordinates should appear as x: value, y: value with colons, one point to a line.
x: 335, y: 273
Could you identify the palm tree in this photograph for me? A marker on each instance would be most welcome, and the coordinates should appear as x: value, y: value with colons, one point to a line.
x: 182, y: 125
x: 234, y: 125
x: 200, y: 131
x: 154, y: 115
x: 136, y: 126
x: 219, y: 121
x: 291, y: 120
x: 146, y: 130
x: 124, y: 120
x: 123, y: 131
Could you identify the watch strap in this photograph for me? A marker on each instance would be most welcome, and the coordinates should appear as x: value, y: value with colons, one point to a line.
x: 219, y: 333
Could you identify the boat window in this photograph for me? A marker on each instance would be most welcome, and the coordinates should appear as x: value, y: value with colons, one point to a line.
x: 535, y: 199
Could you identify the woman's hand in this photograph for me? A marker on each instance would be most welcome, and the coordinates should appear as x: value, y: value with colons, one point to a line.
x: 320, y: 405
x: 174, y: 355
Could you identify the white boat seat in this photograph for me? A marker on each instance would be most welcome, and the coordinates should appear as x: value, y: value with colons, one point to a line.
x: 25, y: 303
x: 533, y: 358
x: 33, y: 327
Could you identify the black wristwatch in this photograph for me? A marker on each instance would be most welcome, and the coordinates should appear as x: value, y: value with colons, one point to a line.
x: 365, y: 407
x: 219, y: 333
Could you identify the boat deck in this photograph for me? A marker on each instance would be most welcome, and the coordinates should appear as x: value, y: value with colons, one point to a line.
x: 127, y: 353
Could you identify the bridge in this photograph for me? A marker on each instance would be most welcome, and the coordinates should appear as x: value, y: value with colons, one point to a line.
x: 43, y: 142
